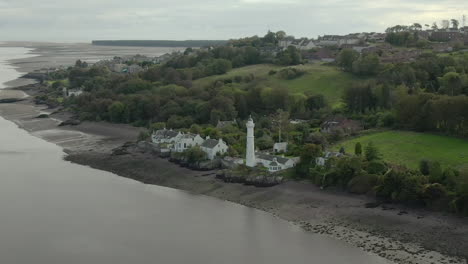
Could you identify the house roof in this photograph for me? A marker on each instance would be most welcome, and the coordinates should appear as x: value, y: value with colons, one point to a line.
x: 271, y: 158
x: 188, y: 136
x: 281, y: 145
x: 274, y: 163
x: 164, y: 133
x: 332, y: 154
x: 210, y: 143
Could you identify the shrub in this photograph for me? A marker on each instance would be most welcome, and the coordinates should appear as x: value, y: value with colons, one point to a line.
x: 316, y: 176
x: 363, y: 183
x: 376, y: 167
x: 371, y: 152
x: 143, y: 136
x: 435, y: 196
x: 460, y: 205
x: 358, y: 149
x: 195, y: 155
x: 424, y: 167
x: 435, y: 172
x: 290, y: 73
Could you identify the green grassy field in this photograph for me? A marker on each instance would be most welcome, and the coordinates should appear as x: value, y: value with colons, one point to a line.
x: 408, y: 148
x: 318, y: 79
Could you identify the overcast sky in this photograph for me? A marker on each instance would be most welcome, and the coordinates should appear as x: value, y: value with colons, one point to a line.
x: 85, y: 20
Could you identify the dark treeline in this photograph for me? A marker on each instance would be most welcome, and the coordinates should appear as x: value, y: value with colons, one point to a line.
x: 428, y: 94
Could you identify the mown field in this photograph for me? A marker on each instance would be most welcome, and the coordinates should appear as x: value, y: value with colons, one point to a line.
x: 318, y: 79
x: 409, y: 148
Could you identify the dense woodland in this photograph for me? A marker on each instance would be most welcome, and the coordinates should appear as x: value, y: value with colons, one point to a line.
x: 427, y: 95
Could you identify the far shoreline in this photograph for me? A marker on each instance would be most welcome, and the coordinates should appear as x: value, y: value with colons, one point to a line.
x: 336, y: 214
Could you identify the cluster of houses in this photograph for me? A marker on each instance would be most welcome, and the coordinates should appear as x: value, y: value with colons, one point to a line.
x: 131, y: 64
x: 446, y: 35
x: 171, y: 141
x: 321, y: 49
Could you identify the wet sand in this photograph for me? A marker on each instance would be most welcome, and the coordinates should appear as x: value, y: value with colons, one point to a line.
x: 399, y: 234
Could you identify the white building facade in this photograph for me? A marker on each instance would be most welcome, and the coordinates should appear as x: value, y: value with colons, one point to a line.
x: 214, y: 148
x: 275, y: 163
x: 186, y: 141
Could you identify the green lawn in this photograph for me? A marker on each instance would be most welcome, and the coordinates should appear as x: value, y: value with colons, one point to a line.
x: 260, y: 71
x: 408, y: 148
x: 318, y: 79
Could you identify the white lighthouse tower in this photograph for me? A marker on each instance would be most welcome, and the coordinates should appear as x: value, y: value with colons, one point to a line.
x: 250, y: 153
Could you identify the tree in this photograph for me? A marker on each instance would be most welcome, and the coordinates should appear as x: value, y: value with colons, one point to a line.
x: 424, y: 167
x: 451, y: 83
x: 157, y: 126
x: 366, y: 65
x: 117, y: 112
x: 281, y: 121
x: 290, y: 56
x: 342, y: 150
x: 417, y: 26
x: 358, y: 149
x: 346, y: 58
x: 195, y: 129
x: 435, y: 172
x: 434, y: 26
x: 270, y: 38
x: 280, y: 35
x: 371, y: 152
x: 308, y: 155
x: 310, y: 152
x: 360, y: 97
x: 454, y: 23
x: 195, y: 155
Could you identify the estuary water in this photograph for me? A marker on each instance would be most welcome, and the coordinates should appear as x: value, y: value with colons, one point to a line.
x: 53, y: 211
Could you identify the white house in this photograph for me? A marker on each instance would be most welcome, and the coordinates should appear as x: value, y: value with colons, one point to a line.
x: 75, y: 92
x: 275, y: 163
x: 186, y: 141
x: 165, y: 136
x: 280, y: 147
x: 213, y: 147
x: 307, y: 45
x: 301, y: 44
x: 284, y: 43
x: 71, y: 92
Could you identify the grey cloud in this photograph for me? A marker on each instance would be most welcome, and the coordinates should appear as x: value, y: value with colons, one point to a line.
x: 67, y: 20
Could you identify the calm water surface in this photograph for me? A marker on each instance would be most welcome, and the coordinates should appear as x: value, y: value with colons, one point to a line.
x: 52, y: 211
